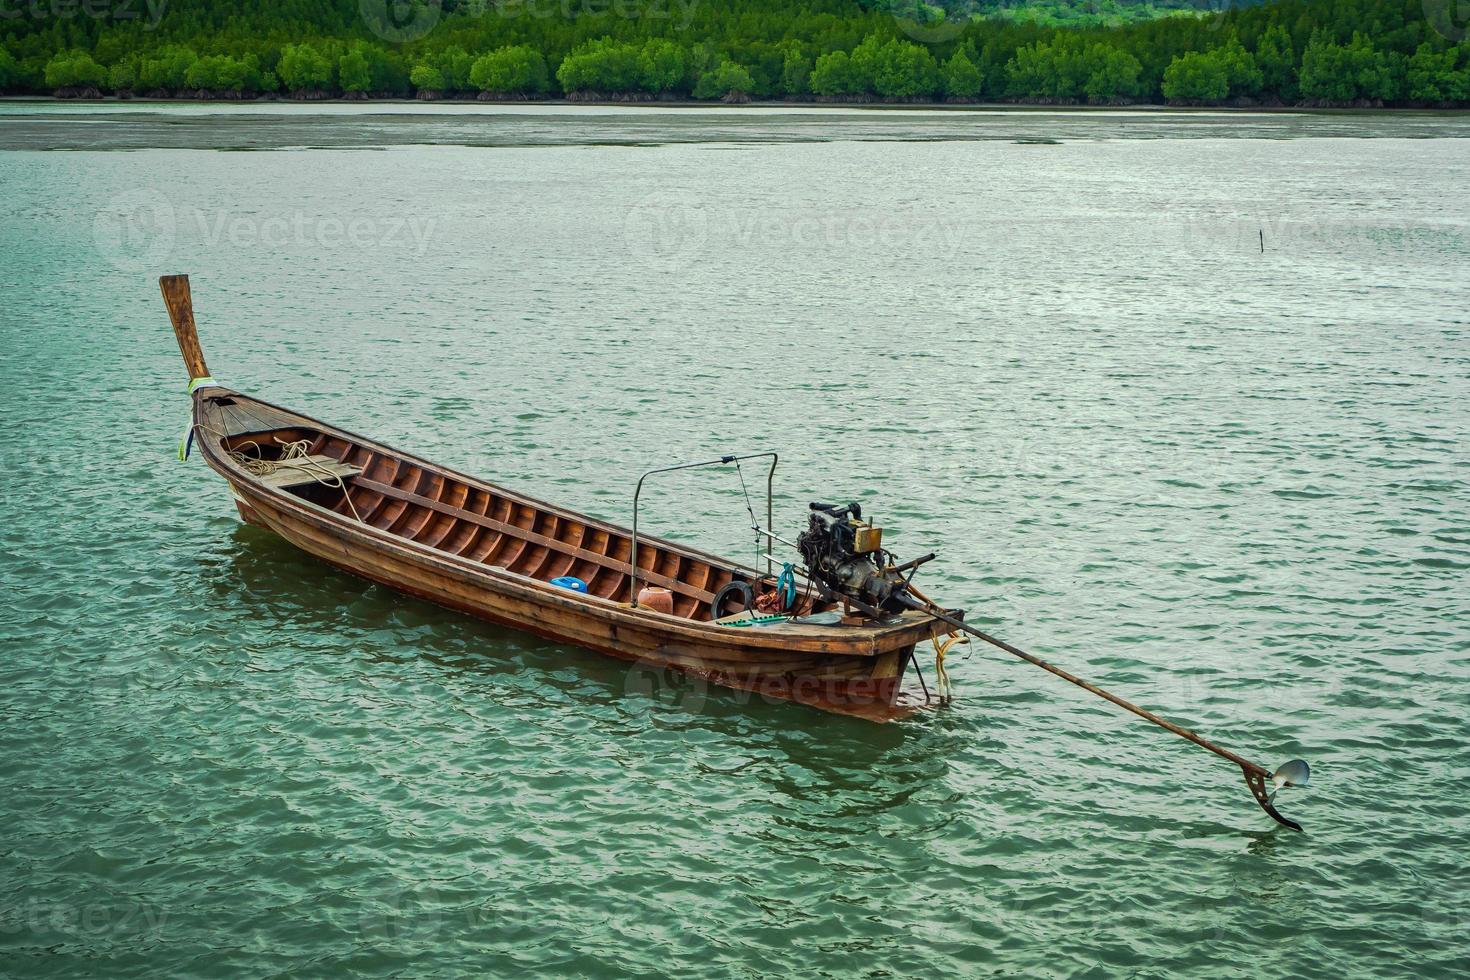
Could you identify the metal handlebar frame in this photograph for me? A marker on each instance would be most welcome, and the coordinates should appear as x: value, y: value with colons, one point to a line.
x: 633, y: 548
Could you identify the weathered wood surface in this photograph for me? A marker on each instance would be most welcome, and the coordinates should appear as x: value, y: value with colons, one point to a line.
x: 180, y: 305
x: 312, y: 469
x: 481, y: 549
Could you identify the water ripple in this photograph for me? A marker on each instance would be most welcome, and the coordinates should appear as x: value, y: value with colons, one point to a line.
x: 1229, y: 483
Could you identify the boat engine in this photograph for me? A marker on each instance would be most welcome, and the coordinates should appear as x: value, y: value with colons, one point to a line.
x: 846, y: 554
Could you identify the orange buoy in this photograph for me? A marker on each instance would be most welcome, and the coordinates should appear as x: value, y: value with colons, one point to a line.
x: 657, y: 599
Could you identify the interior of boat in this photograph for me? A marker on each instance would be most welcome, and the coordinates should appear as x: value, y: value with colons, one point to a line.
x: 488, y: 526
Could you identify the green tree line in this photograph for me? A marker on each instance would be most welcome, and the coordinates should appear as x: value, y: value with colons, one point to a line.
x: 1312, y: 52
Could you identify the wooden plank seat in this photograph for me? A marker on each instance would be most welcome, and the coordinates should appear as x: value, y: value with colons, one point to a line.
x: 309, y: 469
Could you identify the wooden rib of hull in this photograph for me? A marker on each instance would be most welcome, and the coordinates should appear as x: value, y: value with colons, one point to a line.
x: 478, y: 548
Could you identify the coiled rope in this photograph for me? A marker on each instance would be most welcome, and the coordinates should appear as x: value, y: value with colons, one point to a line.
x: 294, y: 455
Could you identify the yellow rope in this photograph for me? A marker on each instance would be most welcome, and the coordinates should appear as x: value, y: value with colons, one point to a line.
x: 294, y: 455
x: 946, y: 689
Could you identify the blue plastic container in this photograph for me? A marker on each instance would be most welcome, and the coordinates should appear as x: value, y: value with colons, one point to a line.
x: 570, y: 582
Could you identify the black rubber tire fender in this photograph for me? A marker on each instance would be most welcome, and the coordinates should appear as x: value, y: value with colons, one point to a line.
x: 717, y: 604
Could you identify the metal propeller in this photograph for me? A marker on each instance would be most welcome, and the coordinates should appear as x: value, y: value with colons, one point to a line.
x: 1293, y: 773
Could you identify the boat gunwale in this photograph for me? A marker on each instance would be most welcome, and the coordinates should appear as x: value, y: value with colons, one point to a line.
x: 479, y: 484
x: 846, y: 641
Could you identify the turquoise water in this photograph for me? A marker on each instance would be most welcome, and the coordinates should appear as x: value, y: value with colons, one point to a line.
x: 1229, y: 483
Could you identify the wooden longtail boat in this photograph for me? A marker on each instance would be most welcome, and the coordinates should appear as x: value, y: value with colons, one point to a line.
x: 479, y: 548
x: 476, y: 547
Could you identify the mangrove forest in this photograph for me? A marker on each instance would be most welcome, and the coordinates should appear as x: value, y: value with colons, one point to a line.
x: 1364, y: 53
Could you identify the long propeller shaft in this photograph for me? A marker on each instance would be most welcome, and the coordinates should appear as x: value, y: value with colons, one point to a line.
x: 1255, y: 776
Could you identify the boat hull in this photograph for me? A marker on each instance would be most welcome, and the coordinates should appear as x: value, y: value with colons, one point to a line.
x: 847, y: 670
